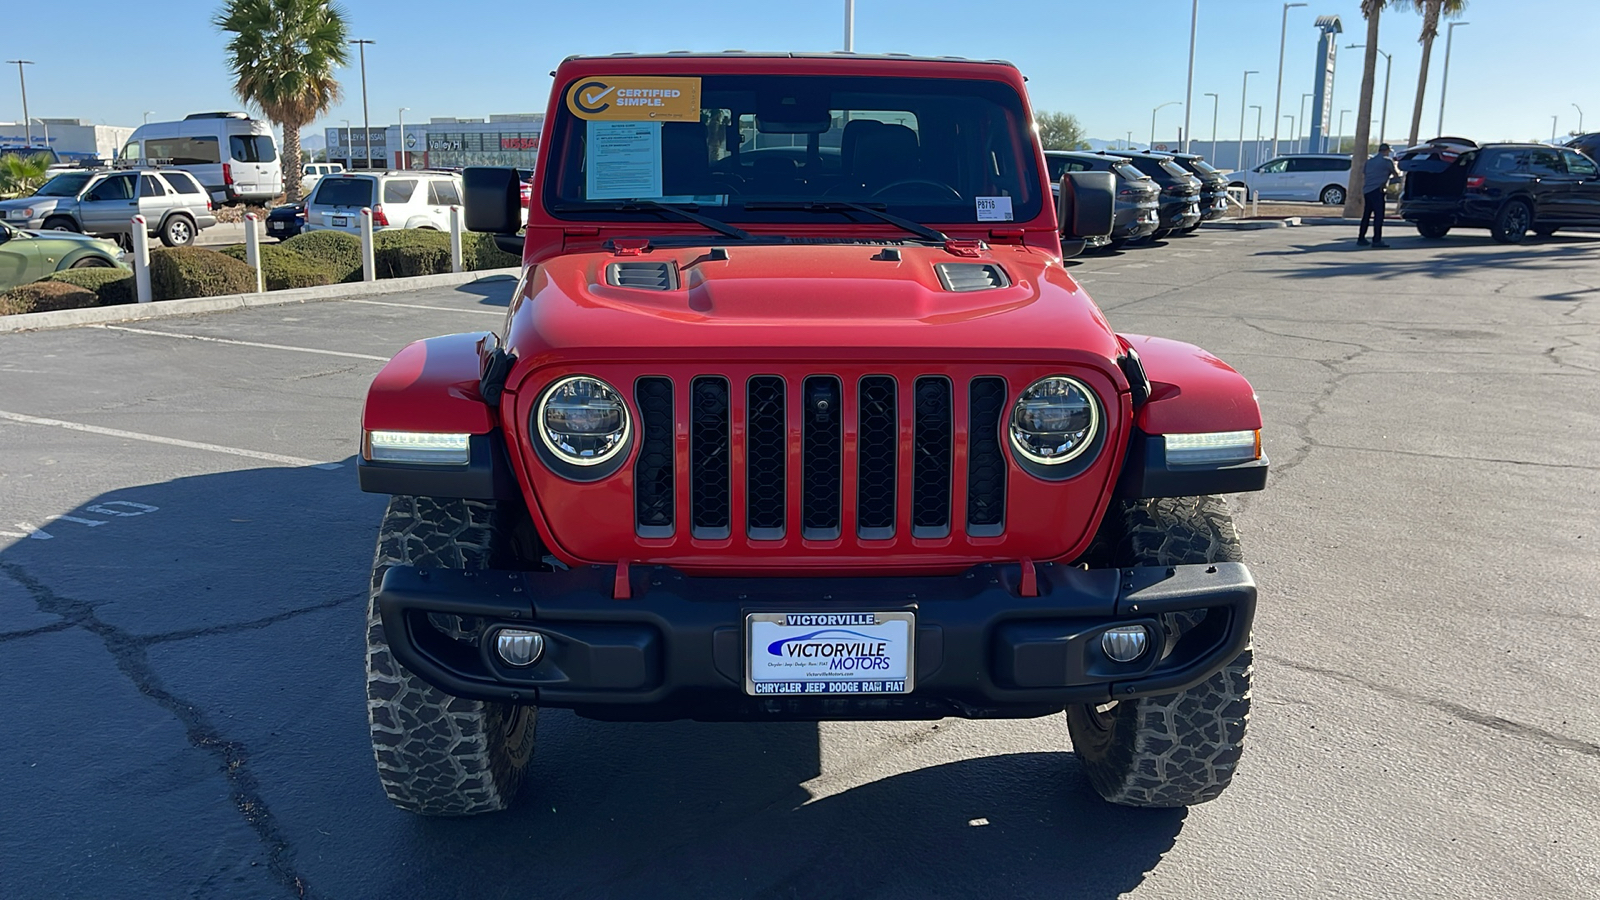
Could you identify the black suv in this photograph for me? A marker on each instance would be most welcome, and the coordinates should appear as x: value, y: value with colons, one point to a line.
x: 1134, y: 217
x: 1510, y: 189
x: 1180, y: 191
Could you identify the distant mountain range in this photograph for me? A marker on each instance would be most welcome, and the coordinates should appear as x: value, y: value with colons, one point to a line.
x: 1097, y: 144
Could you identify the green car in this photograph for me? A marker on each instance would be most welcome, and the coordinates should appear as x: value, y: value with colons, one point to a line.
x: 31, y: 255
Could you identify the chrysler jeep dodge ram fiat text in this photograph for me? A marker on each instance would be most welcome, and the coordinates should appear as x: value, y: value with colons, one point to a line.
x: 796, y: 414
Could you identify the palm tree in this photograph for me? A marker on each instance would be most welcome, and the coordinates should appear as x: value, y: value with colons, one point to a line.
x: 1432, y: 11
x: 1353, y: 199
x: 283, y: 53
x: 22, y: 174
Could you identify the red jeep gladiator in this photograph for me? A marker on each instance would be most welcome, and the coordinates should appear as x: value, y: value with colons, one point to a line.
x: 796, y: 414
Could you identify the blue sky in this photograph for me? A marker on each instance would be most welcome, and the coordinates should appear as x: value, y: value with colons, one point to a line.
x: 1517, y: 64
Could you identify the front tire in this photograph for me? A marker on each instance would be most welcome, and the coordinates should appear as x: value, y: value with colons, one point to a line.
x: 1178, y: 749
x: 61, y: 223
x: 437, y: 754
x: 1333, y: 195
x: 1511, y: 224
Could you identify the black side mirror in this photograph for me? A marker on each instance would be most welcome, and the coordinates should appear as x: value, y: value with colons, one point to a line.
x: 1086, y: 208
x: 492, y: 200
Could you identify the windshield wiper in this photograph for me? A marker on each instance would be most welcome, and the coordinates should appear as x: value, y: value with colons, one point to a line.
x: 655, y: 207
x: 916, y: 228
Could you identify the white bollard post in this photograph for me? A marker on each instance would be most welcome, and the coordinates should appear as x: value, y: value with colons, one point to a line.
x: 252, y: 249
x: 1255, y: 204
x: 369, y: 266
x: 455, y: 238
x: 141, y: 260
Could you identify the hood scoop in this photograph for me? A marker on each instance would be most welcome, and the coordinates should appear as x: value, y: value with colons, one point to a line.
x: 644, y: 276
x: 964, y: 277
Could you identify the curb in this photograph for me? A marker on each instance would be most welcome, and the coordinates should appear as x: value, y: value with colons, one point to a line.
x: 1253, y: 224
x: 165, y: 309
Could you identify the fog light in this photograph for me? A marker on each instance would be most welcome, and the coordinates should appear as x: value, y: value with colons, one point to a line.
x: 517, y: 647
x: 1125, y: 643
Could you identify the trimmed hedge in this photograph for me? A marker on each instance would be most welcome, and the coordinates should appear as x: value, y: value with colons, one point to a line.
x: 406, y: 252
x: 479, y: 251
x: 46, y: 296
x: 283, y: 269
x: 114, y: 286
x: 340, y: 252
x: 184, y: 272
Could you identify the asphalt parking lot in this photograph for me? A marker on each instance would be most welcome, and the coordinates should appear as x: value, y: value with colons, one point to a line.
x: 183, y: 557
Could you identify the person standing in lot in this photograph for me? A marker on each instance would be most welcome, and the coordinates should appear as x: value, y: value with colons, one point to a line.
x: 1380, y: 170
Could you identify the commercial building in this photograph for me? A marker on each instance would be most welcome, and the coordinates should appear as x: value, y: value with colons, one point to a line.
x: 503, y: 140
x: 70, y: 138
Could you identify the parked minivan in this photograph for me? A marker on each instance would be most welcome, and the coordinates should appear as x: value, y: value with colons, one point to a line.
x: 233, y: 155
x: 1310, y: 177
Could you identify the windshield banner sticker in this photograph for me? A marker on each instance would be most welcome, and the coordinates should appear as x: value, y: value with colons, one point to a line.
x: 623, y: 160
x: 994, y: 209
x: 636, y: 99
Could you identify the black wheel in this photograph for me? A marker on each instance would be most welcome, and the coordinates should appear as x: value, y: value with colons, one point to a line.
x: 1333, y: 195
x: 1511, y: 224
x: 178, y: 231
x: 1160, y: 234
x: 1545, y: 231
x: 91, y: 262
x: 437, y: 754
x: 61, y: 223
x: 1433, y: 230
x: 1178, y: 749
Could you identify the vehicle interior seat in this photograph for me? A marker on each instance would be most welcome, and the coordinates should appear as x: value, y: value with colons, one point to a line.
x: 877, y: 154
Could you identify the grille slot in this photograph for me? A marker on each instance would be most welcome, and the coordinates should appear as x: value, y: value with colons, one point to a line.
x: 931, y: 459
x: 649, y: 276
x: 765, y: 457
x: 708, y: 456
x: 986, y: 463
x: 822, y: 455
x: 964, y: 277
x: 877, y: 449
x: 652, y: 483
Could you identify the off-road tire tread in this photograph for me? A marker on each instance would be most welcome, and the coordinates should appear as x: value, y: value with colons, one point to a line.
x: 437, y: 754
x: 1178, y: 749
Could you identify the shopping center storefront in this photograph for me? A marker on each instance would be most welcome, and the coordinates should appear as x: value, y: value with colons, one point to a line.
x: 504, y: 140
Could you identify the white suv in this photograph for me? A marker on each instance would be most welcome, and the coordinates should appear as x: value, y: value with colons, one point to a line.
x: 311, y: 173
x: 411, y: 199
x: 1310, y: 177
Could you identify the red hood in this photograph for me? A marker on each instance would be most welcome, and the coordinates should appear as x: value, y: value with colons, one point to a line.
x: 807, y: 301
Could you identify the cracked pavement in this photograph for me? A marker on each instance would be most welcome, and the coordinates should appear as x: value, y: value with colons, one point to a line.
x: 180, y: 629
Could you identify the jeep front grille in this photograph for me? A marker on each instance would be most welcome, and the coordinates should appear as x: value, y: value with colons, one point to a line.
x: 795, y: 439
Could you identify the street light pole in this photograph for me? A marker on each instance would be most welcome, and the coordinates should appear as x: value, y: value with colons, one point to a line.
x: 46, y: 126
x: 1553, y: 128
x: 1258, y: 134
x: 1153, y: 119
x: 1215, y: 101
x: 349, y: 150
x: 1244, y: 94
x: 1130, y: 140
x: 1277, y: 104
x: 1580, y: 117
x: 1388, y: 65
x: 1444, y: 82
x: 1188, y: 93
x: 849, y: 26
x: 27, y: 125
x: 366, y: 121
x: 147, y: 116
x: 1339, y: 147
x: 1301, y: 126
x: 405, y: 162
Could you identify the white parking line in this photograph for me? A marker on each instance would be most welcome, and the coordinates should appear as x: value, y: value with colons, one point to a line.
x: 488, y: 312
x: 218, y: 340
x: 172, y: 442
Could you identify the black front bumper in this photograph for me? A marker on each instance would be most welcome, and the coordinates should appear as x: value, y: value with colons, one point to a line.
x: 677, y: 648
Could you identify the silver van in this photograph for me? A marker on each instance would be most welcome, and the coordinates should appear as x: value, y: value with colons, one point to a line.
x: 233, y: 155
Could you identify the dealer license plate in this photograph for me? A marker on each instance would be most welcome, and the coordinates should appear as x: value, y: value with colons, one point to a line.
x: 341, y: 221
x: 830, y: 654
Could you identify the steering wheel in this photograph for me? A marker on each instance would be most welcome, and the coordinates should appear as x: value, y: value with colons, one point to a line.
x: 925, y: 182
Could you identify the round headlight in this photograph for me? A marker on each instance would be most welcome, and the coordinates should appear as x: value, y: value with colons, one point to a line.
x: 583, y: 421
x: 1054, y: 420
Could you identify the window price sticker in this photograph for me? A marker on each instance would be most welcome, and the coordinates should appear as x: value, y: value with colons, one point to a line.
x: 994, y: 209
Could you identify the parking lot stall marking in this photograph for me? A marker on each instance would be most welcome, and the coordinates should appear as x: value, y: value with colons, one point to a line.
x: 28, y: 531
x: 486, y: 312
x: 172, y: 442
x: 218, y: 340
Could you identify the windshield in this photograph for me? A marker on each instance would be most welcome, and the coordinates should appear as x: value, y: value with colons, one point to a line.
x: 67, y: 185
x: 768, y: 148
